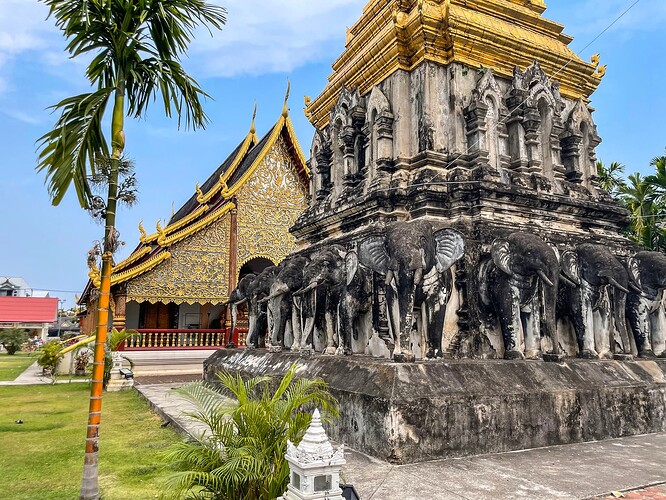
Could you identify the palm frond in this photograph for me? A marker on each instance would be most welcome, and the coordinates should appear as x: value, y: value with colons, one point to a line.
x: 67, y: 153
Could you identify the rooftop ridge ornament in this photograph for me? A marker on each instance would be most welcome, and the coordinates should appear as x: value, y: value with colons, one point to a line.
x: 285, y: 108
x: 253, y: 127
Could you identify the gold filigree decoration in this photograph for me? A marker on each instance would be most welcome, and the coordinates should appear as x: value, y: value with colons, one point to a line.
x: 268, y: 205
x: 142, y: 232
x: 197, y: 226
x: 123, y: 276
x: 136, y: 256
x: 196, y: 272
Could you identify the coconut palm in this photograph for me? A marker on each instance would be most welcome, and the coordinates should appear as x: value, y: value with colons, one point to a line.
x: 136, y: 46
x: 242, y: 457
x: 639, y: 196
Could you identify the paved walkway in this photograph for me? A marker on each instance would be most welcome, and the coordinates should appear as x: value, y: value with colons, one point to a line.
x: 33, y: 376
x: 579, y: 471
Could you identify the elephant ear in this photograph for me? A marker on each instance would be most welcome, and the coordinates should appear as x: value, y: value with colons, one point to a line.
x: 570, y: 266
x: 450, y: 248
x: 634, y: 271
x: 372, y: 253
x: 500, y: 251
x: 351, y: 266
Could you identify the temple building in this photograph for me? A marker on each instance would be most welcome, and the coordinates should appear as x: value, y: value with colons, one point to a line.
x: 173, y: 287
x: 474, y: 115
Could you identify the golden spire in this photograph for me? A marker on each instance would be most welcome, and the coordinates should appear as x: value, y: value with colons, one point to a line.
x: 253, y: 127
x: 285, y: 109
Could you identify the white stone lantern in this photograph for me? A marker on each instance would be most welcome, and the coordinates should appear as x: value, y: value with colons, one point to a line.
x: 314, y: 465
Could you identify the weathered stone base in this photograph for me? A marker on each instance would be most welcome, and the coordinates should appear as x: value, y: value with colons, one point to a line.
x: 414, y: 412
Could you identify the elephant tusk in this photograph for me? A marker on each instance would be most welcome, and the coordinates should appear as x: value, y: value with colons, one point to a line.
x: 307, y: 289
x: 418, y: 276
x: 617, y: 285
x: 389, y: 277
x: 635, y: 288
x: 240, y: 302
x: 545, y: 278
x: 566, y: 279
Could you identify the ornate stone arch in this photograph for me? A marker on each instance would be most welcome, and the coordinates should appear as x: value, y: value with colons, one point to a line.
x: 579, y: 141
x: 379, y: 128
x: 486, y: 123
x: 320, y: 164
x: 538, y: 107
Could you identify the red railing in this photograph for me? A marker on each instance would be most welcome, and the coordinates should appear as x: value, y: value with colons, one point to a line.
x: 156, y: 339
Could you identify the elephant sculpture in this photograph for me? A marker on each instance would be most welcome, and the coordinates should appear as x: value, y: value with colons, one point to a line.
x: 238, y: 296
x: 519, y: 283
x: 590, y: 272
x: 647, y: 271
x: 257, y: 313
x: 324, y: 279
x: 410, y: 254
x: 280, y: 301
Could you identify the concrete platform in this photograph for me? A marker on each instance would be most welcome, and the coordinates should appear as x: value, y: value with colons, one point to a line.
x: 576, y: 471
x: 405, y: 413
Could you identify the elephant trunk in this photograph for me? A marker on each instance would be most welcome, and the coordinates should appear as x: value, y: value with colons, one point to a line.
x: 389, y: 277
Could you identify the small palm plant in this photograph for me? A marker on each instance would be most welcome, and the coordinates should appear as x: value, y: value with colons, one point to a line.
x: 242, y: 457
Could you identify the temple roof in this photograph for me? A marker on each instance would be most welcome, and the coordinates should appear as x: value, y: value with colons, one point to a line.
x: 210, y: 202
x: 501, y: 35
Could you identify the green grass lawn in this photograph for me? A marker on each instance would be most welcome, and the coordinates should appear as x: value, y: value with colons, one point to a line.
x: 12, y: 366
x: 43, y: 457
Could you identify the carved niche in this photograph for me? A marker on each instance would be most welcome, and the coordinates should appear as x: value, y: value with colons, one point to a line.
x: 536, y: 123
x: 347, y: 141
x: 379, y: 131
x: 579, y: 142
x: 321, y: 157
x: 485, y: 120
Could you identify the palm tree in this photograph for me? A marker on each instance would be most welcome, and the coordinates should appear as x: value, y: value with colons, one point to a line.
x: 638, y: 196
x: 610, y: 178
x: 242, y: 457
x: 136, y: 47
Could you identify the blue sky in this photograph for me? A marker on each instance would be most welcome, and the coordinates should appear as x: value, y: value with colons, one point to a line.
x: 264, y: 43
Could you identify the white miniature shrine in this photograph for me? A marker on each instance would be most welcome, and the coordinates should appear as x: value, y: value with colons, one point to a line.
x: 315, y: 466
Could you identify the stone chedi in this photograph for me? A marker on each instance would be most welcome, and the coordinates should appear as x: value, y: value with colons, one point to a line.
x: 455, y: 213
x: 314, y: 465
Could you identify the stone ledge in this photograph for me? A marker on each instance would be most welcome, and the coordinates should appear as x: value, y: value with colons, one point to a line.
x: 408, y: 413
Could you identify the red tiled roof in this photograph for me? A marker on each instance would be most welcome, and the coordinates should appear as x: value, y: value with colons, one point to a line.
x: 28, y: 309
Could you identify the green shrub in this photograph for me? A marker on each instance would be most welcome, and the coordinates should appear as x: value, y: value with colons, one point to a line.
x: 243, y: 455
x: 12, y: 339
x: 50, y: 355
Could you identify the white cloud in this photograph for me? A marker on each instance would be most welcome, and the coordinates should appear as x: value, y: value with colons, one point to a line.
x: 266, y: 36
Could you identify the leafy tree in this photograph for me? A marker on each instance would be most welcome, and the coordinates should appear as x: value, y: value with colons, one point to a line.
x: 12, y: 339
x: 242, y: 457
x: 136, y: 47
x: 610, y: 178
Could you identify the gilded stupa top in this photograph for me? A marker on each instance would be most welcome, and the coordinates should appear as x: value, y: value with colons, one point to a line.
x: 494, y: 34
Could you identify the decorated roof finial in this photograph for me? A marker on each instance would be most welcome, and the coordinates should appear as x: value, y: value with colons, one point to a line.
x: 142, y: 232
x: 200, y: 195
x: 285, y: 109
x: 253, y: 127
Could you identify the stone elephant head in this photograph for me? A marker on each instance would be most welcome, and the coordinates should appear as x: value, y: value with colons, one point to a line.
x: 240, y: 295
x: 257, y: 314
x: 280, y: 301
x: 324, y: 278
x: 520, y: 285
x: 405, y: 255
x: 594, y: 271
x: 647, y: 271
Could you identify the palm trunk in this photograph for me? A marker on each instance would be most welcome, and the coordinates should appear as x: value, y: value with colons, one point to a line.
x: 89, y: 484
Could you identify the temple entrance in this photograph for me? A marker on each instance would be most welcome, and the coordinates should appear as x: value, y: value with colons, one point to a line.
x: 256, y: 266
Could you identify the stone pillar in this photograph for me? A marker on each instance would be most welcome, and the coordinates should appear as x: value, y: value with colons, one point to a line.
x: 314, y: 466
x: 531, y: 124
x: 571, y: 158
x: 477, y: 133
